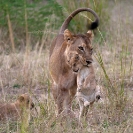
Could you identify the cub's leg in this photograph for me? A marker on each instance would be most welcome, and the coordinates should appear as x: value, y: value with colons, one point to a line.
x: 83, y: 109
x: 81, y: 105
x: 86, y: 110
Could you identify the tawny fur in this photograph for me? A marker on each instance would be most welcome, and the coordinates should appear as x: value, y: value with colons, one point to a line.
x: 19, y: 110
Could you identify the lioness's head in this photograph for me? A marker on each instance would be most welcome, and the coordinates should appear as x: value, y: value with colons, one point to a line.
x: 25, y: 101
x: 80, y: 45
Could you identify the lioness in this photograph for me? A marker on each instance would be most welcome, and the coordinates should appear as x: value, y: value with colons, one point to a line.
x: 87, y: 90
x: 64, y: 84
x: 19, y: 110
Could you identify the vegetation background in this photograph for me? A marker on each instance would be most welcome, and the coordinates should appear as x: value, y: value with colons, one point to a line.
x: 27, y: 28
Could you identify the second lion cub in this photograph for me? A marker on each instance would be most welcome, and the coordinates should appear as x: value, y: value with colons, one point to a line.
x: 19, y: 110
x: 87, y: 90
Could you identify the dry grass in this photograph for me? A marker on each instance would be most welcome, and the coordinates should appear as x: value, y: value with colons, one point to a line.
x: 27, y: 71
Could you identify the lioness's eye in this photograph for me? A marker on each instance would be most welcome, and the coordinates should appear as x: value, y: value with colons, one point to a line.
x: 81, y: 48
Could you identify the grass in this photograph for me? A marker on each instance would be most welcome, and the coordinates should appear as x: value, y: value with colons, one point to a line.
x: 27, y: 71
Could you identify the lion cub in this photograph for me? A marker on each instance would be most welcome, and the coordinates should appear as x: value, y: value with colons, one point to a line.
x: 19, y: 110
x: 87, y: 90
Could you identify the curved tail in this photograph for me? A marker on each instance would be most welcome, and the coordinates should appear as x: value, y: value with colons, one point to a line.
x: 69, y: 18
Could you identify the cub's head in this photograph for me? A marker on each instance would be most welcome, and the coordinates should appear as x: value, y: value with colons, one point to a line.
x: 74, y: 61
x: 80, y: 45
x: 25, y: 101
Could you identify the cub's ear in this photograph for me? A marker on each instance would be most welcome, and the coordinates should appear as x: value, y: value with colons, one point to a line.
x: 90, y: 34
x: 67, y: 35
x: 21, y: 98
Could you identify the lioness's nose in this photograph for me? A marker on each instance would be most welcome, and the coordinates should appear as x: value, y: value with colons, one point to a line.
x: 88, y: 61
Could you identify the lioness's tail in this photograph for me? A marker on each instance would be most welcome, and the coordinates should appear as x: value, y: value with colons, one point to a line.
x: 67, y: 21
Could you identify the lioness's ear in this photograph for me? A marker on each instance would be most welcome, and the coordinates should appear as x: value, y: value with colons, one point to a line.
x: 21, y: 98
x: 90, y: 34
x: 67, y: 35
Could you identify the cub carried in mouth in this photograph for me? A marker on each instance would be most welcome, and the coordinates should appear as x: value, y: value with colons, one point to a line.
x: 87, y: 90
x: 19, y: 110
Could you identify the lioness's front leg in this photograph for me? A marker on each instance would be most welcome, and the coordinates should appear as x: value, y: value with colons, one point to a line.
x: 62, y: 99
x: 68, y: 100
x: 58, y: 97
